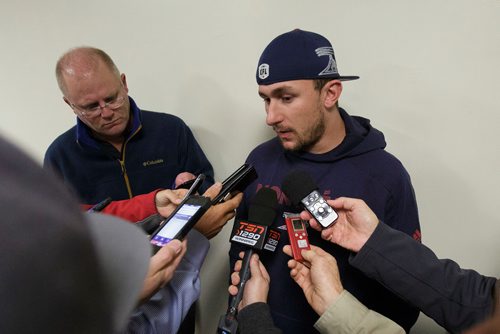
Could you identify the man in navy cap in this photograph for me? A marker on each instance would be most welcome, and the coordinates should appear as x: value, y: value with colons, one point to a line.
x: 300, y: 84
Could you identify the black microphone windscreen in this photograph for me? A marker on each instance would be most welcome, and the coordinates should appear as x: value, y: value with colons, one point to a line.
x: 297, y: 185
x: 262, y: 208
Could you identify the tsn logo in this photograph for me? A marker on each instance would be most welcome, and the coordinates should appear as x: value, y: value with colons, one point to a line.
x: 274, y: 238
x: 250, y: 231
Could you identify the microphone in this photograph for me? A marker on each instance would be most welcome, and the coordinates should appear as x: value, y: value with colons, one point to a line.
x: 101, y: 205
x: 300, y: 188
x: 255, y: 234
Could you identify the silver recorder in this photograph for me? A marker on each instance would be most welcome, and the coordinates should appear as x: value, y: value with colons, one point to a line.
x: 321, y: 211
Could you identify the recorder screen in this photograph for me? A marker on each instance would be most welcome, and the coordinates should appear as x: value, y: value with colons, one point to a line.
x: 297, y: 224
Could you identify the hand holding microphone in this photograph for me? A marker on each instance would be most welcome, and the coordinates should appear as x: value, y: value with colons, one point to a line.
x: 256, y: 287
x: 254, y: 234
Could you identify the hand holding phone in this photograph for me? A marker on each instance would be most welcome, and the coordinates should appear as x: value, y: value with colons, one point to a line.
x: 237, y: 181
x: 180, y: 222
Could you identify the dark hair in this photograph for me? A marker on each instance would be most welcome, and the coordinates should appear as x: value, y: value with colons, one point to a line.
x: 320, y: 83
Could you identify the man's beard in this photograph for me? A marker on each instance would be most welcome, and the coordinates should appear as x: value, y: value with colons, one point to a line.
x: 311, y: 136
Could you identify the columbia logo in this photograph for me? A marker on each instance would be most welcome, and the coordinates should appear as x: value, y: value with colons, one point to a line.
x: 152, y: 162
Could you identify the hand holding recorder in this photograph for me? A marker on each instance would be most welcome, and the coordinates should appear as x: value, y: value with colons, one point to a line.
x: 318, y: 277
x: 354, y: 226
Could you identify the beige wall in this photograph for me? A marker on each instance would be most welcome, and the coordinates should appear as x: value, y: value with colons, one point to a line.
x: 429, y: 80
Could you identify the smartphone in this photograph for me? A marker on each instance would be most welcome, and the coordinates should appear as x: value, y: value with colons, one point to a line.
x: 192, y: 185
x: 297, y: 234
x: 185, y: 185
x: 180, y: 222
x: 236, y: 182
x: 195, y: 184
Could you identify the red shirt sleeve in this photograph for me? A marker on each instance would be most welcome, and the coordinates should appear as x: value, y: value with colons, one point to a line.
x: 135, y: 209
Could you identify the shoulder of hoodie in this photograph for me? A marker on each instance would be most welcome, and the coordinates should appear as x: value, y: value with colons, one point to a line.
x: 374, y: 158
x: 269, y: 148
x: 379, y: 163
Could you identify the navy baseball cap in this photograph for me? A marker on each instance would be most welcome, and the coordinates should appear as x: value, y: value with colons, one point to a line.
x: 298, y: 55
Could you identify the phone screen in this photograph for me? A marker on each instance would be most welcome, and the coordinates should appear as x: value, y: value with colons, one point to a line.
x: 175, y: 224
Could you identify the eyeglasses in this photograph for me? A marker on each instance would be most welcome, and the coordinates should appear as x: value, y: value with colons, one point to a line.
x: 95, y: 109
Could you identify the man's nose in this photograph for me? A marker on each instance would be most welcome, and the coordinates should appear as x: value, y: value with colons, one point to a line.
x: 106, y: 111
x: 273, y: 114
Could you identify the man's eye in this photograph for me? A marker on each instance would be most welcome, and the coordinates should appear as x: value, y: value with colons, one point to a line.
x: 286, y: 99
x: 110, y: 99
x: 92, y: 107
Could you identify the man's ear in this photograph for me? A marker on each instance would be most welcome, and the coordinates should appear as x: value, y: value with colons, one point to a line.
x: 69, y: 104
x: 124, y: 81
x: 66, y: 100
x: 332, y: 92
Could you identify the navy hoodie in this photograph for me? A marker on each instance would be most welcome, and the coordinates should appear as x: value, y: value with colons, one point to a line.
x: 359, y: 167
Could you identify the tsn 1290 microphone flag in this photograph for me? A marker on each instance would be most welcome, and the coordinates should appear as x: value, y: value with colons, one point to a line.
x: 254, y: 234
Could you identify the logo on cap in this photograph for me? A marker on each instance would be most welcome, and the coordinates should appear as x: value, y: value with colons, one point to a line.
x: 331, y: 68
x: 263, y: 71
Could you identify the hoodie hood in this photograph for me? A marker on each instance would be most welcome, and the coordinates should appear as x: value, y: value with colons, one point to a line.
x: 360, y: 138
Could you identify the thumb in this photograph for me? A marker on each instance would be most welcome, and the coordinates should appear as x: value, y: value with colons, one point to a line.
x: 315, y: 254
x: 309, y: 255
x: 213, y: 190
x: 175, y: 245
x: 287, y: 249
x: 254, y: 266
x: 312, y: 254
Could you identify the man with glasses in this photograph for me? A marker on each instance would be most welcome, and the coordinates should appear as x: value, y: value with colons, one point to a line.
x: 118, y: 150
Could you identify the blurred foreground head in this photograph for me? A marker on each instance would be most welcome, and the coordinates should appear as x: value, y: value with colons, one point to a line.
x: 62, y: 271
